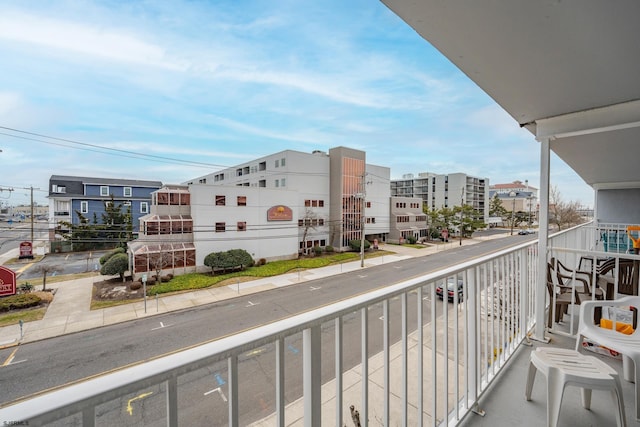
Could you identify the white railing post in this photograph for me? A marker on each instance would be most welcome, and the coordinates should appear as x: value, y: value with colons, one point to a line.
x: 232, y: 366
x: 280, y: 385
x: 473, y: 332
x: 312, y: 349
x: 172, y: 402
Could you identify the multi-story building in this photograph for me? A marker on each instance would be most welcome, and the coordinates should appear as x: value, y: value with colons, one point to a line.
x: 517, y: 197
x: 72, y: 196
x: 445, y: 191
x: 274, y: 207
x: 332, y: 189
x: 407, y: 219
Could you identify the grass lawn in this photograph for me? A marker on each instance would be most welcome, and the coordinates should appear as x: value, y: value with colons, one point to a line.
x: 29, y: 315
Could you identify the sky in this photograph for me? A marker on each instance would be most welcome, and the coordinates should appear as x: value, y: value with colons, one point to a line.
x: 169, y: 91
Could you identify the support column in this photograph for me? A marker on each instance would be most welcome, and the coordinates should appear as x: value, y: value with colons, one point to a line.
x: 543, y: 236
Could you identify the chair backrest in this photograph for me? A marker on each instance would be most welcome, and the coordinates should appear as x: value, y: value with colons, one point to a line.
x: 628, y: 277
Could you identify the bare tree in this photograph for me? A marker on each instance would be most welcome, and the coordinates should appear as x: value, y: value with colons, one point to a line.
x: 160, y: 260
x: 563, y: 214
x: 309, y: 222
x: 46, y: 269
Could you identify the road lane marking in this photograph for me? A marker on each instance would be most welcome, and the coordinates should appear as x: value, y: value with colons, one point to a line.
x: 256, y: 352
x: 362, y: 276
x: 162, y: 325
x: 219, y: 391
x: 142, y: 396
x: 11, y: 356
x: 251, y: 303
x: 311, y: 288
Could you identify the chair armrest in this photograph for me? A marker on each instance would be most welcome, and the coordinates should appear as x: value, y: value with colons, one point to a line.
x: 587, y: 308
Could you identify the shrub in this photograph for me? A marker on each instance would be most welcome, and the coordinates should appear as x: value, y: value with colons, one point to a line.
x: 19, y: 301
x: 106, y: 257
x: 117, y: 264
x: 317, y: 250
x: 25, y: 288
x: 167, y: 278
x: 234, y: 258
x: 412, y: 240
x: 328, y: 248
x: 134, y: 286
x: 355, y: 244
x: 262, y: 261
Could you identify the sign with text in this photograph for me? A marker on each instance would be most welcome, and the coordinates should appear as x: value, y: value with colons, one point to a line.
x: 7, y: 282
x: 26, y: 250
x: 279, y: 213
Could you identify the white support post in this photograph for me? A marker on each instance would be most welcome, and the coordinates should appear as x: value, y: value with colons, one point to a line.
x: 280, y: 402
x: 232, y: 366
x: 543, y: 236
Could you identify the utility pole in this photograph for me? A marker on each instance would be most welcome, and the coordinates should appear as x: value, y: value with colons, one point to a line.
x: 362, y: 216
x: 461, y: 207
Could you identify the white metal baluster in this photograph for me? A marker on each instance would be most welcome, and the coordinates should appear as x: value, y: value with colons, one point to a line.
x: 434, y: 359
x: 232, y: 363
x: 280, y: 386
x: 172, y: 402
x: 445, y: 350
x: 364, y: 413
x: 385, y: 342
x: 338, y: 357
x: 89, y: 417
x: 420, y: 369
x: 312, y: 382
x: 405, y: 366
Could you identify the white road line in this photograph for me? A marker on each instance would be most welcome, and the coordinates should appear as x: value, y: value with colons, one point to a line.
x: 251, y: 303
x: 311, y: 288
x: 219, y: 391
x: 162, y: 325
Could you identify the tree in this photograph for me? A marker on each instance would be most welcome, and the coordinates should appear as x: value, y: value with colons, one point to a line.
x: 495, y: 207
x: 46, y: 269
x: 117, y: 264
x: 309, y: 222
x: 159, y: 260
x: 563, y: 214
x: 467, y: 220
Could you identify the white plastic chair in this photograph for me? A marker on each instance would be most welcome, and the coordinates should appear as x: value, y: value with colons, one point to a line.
x: 627, y: 345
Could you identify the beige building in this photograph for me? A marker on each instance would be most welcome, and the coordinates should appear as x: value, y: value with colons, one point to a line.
x: 407, y: 220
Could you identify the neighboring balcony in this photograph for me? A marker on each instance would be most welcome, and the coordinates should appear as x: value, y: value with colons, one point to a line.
x: 398, y: 355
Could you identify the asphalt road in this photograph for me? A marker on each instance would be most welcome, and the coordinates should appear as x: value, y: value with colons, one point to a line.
x: 42, y: 365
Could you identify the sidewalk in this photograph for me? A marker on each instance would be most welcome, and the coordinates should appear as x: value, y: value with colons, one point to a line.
x: 70, y: 309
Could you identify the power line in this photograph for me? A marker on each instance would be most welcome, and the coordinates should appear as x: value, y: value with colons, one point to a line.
x: 104, y: 150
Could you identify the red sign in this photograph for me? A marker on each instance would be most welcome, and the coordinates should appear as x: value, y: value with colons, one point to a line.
x: 445, y: 233
x: 26, y: 250
x: 279, y: 213
x: 7, y: 282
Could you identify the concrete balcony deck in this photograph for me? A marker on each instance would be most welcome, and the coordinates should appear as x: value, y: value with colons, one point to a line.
x: 505, y: 405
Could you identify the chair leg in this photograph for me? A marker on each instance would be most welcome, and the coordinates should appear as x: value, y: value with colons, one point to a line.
x: 555, y: 392
x: 586, y: 398
x: 616, y: 393
x: 531, y: 376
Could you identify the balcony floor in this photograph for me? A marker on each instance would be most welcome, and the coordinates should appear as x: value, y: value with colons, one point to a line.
x: 505, y: 404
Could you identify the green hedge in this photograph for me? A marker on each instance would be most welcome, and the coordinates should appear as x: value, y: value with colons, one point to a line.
x: 15, y: 302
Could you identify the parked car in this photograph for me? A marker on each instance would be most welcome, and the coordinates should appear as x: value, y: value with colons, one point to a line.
x: 451, y: 289
x: 525, y: 232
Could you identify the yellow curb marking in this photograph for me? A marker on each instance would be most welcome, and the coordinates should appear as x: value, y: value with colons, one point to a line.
x: 11, y: 356
x: 142, y: 396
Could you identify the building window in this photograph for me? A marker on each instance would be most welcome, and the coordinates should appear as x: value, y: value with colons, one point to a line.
x: 368, y: 204
x: 84, y: 207
x: 277, y: 183
x: 320, y: 203
x: 283, y: 182
x: 262, y: 183
x: 221, y: 200
x: 300, y: 223
x: 126, y: 192
x: 202, y: 181
x: 104, y: 190
x: 321, y: 222
x: 242, y: 200
x: 282, y: 162
x: 262, y: 166
x: 144, y: 207
x: 242, y: 226
x: 58, y: 189
x: 220, y: 227
x: 277, y: 163
x: 307, y: 203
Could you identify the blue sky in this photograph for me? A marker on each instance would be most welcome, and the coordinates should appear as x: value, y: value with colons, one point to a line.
x: 223, y: 82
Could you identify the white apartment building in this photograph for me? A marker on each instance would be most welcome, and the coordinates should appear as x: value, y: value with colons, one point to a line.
x: 440, y: 191
x: 274, y: 207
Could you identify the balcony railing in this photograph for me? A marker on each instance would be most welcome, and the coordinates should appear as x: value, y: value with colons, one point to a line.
x: 397, y: 355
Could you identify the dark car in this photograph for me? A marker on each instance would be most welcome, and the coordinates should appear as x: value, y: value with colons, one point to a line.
x: 451, y: 289
x: 525, y: 232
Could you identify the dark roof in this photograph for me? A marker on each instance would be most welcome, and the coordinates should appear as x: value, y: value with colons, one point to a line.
x: 107, y: 181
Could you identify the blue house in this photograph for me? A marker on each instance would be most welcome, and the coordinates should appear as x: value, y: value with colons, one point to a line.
x: 70, y: 196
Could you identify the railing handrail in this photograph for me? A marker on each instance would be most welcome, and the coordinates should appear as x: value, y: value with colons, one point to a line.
x: 74, y: 398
